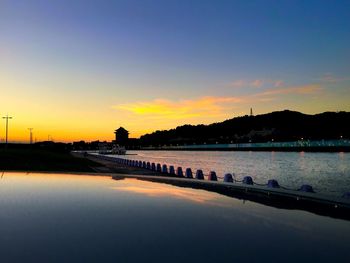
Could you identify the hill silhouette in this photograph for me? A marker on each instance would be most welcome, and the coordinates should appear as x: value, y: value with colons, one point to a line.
x: 277, y: 126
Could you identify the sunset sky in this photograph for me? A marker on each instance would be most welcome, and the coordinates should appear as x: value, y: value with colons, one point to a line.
x: 79, y: 69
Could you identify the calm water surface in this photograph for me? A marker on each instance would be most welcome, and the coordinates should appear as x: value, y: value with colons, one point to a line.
x: 77, y: 218
x: 328, y: 173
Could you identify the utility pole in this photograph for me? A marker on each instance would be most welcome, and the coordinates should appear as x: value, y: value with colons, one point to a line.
x: 31, y: 135
x: 7, y: 125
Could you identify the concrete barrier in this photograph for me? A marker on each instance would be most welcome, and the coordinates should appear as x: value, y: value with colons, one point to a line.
x: 212, y: 176
x: 188, y: 173
x: 272, y: 183
x: 164, y: 169
x: 199, y: 174
x: 179, y: 171
x: 228, y: 178
x: 248, y: 180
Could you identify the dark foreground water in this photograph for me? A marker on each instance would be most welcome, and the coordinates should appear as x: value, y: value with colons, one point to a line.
x: 328, y: 173
x: 77, y: 218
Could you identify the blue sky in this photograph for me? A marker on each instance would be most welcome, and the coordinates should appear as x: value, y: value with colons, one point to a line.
x: 124, y: 59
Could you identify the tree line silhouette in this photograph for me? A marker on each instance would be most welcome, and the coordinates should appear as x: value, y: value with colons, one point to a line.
x: 276, y: 126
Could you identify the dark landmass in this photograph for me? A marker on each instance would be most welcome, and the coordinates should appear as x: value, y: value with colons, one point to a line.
x: 32, y: 158
x: 277, y: 126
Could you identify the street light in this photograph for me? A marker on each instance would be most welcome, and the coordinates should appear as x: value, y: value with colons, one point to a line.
x: 7, y: 125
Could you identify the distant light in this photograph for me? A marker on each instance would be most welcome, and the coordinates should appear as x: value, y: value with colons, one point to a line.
x: 272, y: 140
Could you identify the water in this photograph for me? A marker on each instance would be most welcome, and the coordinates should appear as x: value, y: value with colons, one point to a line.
x: 78, y: 218
x: 328, y: 173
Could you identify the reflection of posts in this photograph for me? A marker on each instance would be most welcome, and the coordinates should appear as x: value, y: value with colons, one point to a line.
x: 7, y: 124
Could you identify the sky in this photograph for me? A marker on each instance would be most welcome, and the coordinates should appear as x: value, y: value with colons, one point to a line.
x: 79, y: 69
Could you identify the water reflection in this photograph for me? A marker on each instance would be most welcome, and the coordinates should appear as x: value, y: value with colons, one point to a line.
x: 80, y: 218
x: 163, y: 190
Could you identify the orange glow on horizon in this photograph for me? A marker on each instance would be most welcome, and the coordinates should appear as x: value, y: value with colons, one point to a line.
x: 69, y: 117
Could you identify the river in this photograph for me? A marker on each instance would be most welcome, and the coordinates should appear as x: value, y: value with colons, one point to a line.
x: 328, y: 173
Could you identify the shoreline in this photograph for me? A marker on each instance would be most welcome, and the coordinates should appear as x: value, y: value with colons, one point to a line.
x: 330, y: 149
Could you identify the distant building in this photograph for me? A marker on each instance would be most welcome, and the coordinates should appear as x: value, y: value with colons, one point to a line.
x: 121, y: 136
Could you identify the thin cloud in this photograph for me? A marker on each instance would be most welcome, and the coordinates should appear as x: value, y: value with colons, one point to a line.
x: 165, y: 113
x: 330, y: 78
x: 256, y: 83
x: 237, y: 84
x: 182, y: 109
x: 278, y: 83
x: 301, y: 90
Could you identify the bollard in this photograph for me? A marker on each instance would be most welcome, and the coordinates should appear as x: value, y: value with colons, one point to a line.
x: 164, y: 169
x: 306, y: 188
x: 188, y: 173
x: 272, y: 183
x: 199, y: 175
x: 153, y: 166
x: 212, y: 176
x: 159, y: 168
x: 140, y: 164
x: 148, y: 165
x: 144, y: 165
x: 179, y: 172
x: 171, y: 170
x: 247, y: 180
x: 136, y: 163
x: 228, y: 178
